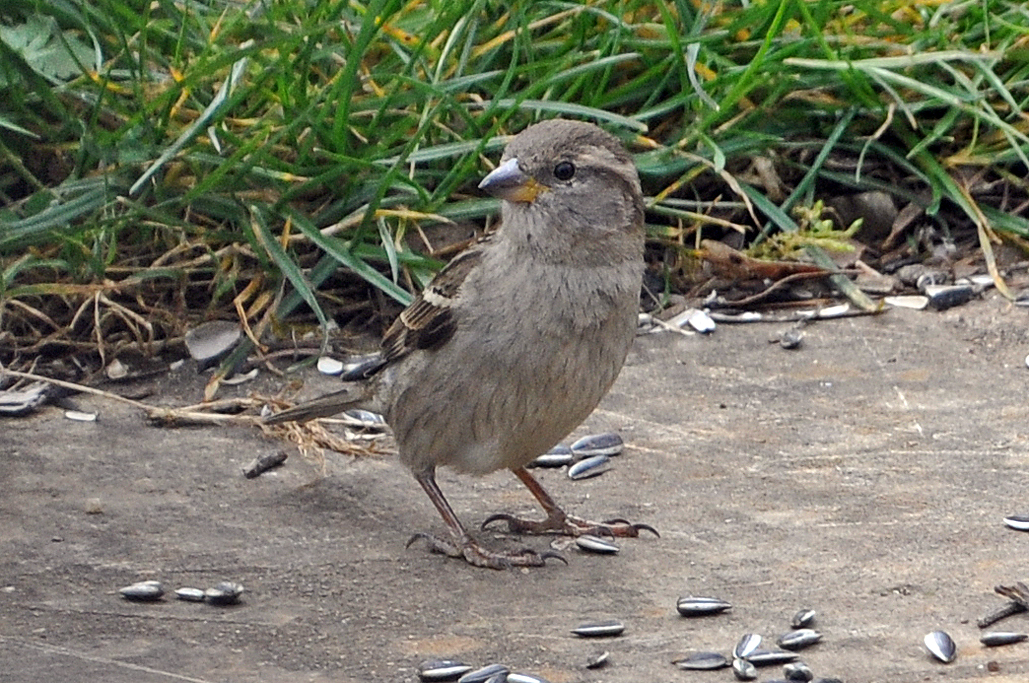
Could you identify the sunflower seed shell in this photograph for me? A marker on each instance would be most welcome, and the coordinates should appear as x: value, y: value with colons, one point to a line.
x: 743, y: 670
x: 995, y: 638
x: 1018, y: 522
x: 595, y: 544
x: 748, y: 643
x: 941, y: 646
x: 599, y: 629
x: 442, y: 670
x: 691, y: 606
x: 225, y: 593
x: 802, y: 619
x: 590, y: 467
x: 143, y: 591
x: 608, y: 443
x: 771, y: 657
x: 190, y: 594
x: 484, y: 674
x: 702, y: 661
x: 799, y: 639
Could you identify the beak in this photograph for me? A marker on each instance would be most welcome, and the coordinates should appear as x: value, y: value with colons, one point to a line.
x: 507, y: 181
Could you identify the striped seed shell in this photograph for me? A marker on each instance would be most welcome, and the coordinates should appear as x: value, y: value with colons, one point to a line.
x: 797, y: 671
x: 771, y: 657
x: 590, y: 467
x: 524, y: 678
x: 366, y: 419
x: 190, y: 594
x: 941, y: 646
x: 702, y: 661
x: 599, y: 629
x: 799, y: 638
x: 995, y: 638
x: 558, y: 456
x: 607, y: 443
x: 693, y: 606
x: 143, y: 591
x: 1017, y: 522
x: 598, y: 660
x: 743, y: 670
x: 748, y: 643
x: 595, y: 544
x: 442, y: 670
x: 802, y: 619
x: 225, y: 593
x: 484, y: 674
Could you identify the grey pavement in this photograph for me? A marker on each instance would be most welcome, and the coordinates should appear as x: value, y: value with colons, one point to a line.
x: 865, y: 475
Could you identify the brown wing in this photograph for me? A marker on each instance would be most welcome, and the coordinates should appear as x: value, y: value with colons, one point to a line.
x: 429, y: 322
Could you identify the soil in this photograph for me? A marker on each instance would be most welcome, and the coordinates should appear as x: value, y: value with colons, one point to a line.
x: 864, y: 475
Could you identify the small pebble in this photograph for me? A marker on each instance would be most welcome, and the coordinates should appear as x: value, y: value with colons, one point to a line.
x: 262, y: 464
x: 791, y: 339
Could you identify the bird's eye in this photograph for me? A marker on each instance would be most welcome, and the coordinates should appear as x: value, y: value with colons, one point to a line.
x: 564, y: 170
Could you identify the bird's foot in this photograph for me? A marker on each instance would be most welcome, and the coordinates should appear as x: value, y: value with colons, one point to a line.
x: 568, y: 525
x: 475, y: 555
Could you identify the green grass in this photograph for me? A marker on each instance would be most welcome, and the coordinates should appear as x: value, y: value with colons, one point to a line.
x: 171, y: 157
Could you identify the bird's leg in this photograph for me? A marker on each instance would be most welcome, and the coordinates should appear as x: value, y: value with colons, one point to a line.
x: 462, y: 544
x: 558, y: 521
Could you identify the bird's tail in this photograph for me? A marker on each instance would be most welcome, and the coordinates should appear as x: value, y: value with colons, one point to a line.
x: 353, y: 396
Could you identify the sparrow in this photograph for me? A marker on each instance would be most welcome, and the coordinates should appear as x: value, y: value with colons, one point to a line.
x: 514, y: 343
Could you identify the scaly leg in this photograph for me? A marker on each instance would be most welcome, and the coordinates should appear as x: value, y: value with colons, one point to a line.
x: 463, y: 545
x: 559, y: 522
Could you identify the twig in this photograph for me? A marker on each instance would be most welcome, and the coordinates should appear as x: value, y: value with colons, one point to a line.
x: 1019, y: 595
x: 185, y: 415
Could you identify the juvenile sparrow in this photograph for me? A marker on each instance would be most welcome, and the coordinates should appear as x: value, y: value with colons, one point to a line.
x: 517, y: 339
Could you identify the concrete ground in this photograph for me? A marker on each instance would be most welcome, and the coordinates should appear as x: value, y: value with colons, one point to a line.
x: 865, y: 475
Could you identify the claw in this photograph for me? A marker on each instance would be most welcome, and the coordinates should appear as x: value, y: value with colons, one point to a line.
x: 645, y: 527
x: 436, y: 545
x: 554, y: 555
x: 500, y: 517
x: 637, y: 528
x: 476, y: 555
